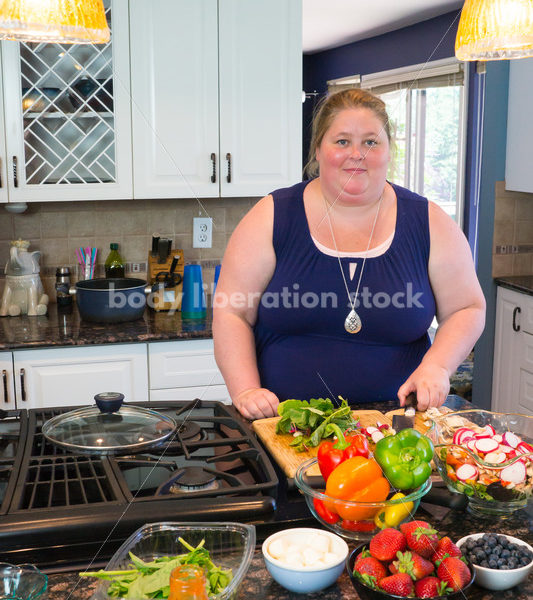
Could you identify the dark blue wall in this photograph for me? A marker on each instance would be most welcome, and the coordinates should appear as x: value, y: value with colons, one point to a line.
x: 430, y: 40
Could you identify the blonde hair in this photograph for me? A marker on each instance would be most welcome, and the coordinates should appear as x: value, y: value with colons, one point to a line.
x: 329, y: 107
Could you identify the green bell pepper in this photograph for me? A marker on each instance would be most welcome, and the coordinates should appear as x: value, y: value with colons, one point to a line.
x: 405, y: 458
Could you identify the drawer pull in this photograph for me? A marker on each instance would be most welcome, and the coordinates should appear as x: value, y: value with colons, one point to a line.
x: 4, y: 381
x: 516, y: 311
x: 15, y: 172
x: 22, y: 388
x: 214, y: 164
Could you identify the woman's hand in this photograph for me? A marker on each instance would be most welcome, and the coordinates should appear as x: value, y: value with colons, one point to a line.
x: 430, y: 382
x: 256, y: 403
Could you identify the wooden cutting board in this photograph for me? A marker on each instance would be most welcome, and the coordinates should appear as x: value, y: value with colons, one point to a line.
x: 286, y: 457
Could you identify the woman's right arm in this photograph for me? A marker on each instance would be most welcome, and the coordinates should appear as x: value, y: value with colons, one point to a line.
x: 248, y: 266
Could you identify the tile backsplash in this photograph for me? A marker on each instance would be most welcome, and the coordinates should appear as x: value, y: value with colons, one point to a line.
x: 512, y: 252
x: 58, y: 228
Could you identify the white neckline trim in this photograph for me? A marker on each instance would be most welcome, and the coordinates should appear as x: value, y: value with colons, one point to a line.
x: 372, y: 253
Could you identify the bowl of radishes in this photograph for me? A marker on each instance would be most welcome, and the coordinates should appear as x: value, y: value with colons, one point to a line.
x: 487, y: 456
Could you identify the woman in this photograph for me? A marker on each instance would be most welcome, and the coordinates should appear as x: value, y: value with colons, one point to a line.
x: 328, y: 288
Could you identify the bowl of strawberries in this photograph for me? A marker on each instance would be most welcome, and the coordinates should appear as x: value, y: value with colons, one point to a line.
x: 410, y: 562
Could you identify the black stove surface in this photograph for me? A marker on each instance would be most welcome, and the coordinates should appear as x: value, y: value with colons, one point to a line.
x: 61, y: 509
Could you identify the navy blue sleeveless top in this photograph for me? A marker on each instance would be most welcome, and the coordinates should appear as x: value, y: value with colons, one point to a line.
x: 303, y: 350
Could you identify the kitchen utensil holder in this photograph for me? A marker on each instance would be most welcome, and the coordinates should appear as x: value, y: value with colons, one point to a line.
x: 165, y: 297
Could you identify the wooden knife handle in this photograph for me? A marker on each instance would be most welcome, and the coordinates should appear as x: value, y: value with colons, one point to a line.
x: 410, y: 400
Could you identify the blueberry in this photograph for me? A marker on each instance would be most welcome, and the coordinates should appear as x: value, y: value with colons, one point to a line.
x: 484, y: 563
x: 487, y: 549
x: 501, y: 561
x: 505, y: 553
x: 512, y: 546
x: 503, y: 541
x: 497, y: 550
x: 524, y: 561
x: 480, y: 554
x: 503, y: 568
x: 491, y: 540
x: 493, y: 564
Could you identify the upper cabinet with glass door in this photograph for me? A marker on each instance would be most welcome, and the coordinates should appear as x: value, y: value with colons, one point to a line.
x: 67, y: 110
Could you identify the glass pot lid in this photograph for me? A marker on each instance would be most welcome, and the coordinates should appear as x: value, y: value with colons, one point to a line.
x: 109, y: 427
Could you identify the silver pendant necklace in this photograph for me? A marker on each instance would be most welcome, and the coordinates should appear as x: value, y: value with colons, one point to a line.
x: 352, y: 323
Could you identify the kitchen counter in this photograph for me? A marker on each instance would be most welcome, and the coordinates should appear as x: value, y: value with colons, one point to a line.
x: 62, y: 327
x: 520, y: 283
x: 259, y: 585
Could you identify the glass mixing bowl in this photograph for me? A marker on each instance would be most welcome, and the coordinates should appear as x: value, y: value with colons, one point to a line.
x: 498, y: 449
x: 361, y: 526
x: 24, y: 582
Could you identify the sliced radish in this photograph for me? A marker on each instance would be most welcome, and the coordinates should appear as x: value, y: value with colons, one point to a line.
x: 376, y: 436
x: 506, y: 449
x: 466, y: 471
x: 371, y: 430
x: 524, y: 448
x: 471, y: 445
x: 495, y: 458
x: 461, y: 434
x: 515, y: 473
x: 486, y: 445
x: 487, y: 431
x: 498, y: 438
x: 511, y: 439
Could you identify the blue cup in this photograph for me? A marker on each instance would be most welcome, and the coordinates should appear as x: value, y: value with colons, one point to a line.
x: 217, y: 275
x: 193, y: 305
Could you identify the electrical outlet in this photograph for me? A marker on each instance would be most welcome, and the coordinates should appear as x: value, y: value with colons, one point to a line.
x: 202, y: 232
x: 135, y: 268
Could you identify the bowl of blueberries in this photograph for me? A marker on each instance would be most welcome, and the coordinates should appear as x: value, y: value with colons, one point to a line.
x: 500, y: 561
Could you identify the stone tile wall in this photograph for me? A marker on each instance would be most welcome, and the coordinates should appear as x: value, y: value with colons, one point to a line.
x: 512, y: 252
x: 58, y: 228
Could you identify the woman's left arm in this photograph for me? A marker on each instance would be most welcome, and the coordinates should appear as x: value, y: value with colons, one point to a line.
x: 460, y: 311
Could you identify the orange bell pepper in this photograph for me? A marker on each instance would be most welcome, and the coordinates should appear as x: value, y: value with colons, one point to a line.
x: 357, y: 479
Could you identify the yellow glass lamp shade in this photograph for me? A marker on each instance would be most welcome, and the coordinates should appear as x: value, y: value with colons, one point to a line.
x: 495, y: 30
x: 61, y: 21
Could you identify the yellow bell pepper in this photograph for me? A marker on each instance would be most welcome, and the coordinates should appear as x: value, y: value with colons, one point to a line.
x: 395, y: 514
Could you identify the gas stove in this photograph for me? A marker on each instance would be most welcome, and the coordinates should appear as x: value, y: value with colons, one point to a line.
x: 63, y: 510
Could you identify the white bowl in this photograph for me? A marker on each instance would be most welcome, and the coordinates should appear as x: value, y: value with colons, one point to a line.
x: 496, y: 579
x: 305, y: 579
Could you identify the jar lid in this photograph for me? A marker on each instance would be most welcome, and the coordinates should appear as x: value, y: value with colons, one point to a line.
x: 113, y: 246
x: 109, y: 427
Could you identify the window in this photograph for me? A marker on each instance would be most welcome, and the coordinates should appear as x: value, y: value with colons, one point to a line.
x: 427, y: 108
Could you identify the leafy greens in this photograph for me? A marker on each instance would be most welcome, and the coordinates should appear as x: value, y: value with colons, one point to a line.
x: 315, y: 420
x: 151, y: 580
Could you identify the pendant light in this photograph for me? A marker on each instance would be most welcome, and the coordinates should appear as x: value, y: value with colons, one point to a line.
x: 495, y: 30
x: 54, y: 21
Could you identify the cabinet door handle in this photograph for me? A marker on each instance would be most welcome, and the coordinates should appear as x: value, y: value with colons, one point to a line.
x: 22, y: 388
x: 15, y: 172
x: 228, y: 158
x: 214, y: 164
x: 4, y: 381
x: 516, y: 311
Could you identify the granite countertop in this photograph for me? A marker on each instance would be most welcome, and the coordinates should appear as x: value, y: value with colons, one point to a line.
x: 258, y: 583
x: 520, y: 283
x: 62, y: 327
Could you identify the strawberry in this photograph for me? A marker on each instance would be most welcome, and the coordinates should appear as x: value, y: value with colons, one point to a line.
x: 369, y: 570
x: 385, y: 544
x: 399, y: 584
x: 454, y: 572
x: 413, y: 564
x: 363, y: 554
x: 445, y: 547
x: 421, y: 537
x: 430, y: 587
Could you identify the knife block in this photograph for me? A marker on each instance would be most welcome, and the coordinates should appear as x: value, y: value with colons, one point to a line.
x: 168, y: 298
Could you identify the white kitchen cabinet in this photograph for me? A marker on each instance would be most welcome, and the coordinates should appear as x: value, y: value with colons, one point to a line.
x: 73, y: 375
x: 7, y: 388
x: 518, y: 161
x: 216, y: 96
x: 3, y: 157
x: 512, y: 389
x: 185, y: 370
x: 68, y: 117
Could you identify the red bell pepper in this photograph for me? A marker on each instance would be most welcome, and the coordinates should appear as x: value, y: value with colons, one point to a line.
x: 358, y: 525
x: 324, y: 513
x: 330, y: 455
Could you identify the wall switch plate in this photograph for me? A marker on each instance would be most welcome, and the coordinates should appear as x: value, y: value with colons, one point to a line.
x: 202, y: 232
